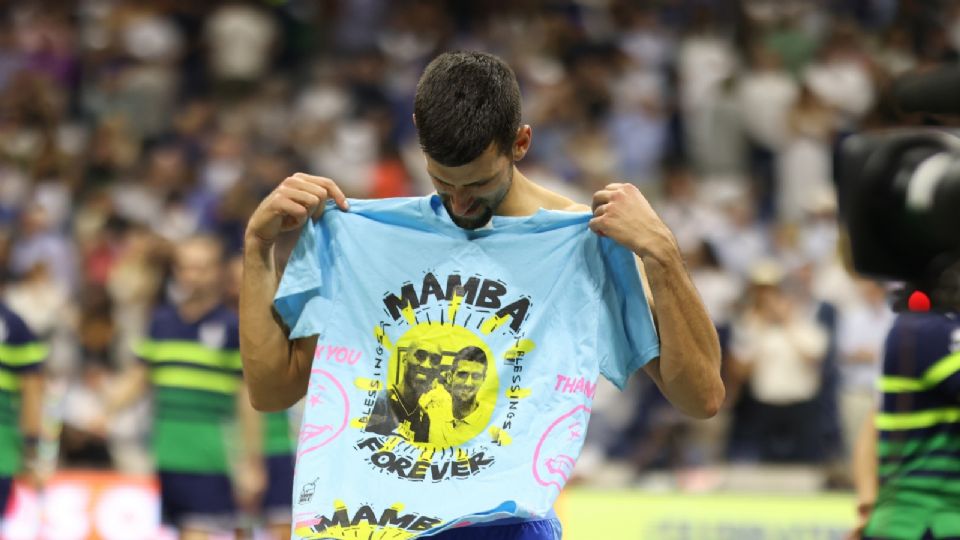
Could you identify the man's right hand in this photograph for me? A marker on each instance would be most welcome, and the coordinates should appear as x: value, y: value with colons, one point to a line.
x: 288, y: 207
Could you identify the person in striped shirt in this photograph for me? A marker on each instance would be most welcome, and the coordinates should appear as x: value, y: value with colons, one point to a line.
x: 192, y: 361
x: 21, y: 400
x: 916, y: 433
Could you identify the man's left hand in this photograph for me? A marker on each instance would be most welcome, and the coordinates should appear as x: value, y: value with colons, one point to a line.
x: 622, y: 213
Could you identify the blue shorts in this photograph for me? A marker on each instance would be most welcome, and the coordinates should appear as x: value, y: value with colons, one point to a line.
x: 543, y: 529
x: 277, y: 502
x: 197, y: 501
x: 6, y: 488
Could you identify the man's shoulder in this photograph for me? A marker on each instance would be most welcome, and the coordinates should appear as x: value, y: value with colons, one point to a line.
x: 551, y: 200
x: 576, y: 207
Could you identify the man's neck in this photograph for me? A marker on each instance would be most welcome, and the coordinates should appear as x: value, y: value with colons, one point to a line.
x: 525, y: 198
x: 192, y: 310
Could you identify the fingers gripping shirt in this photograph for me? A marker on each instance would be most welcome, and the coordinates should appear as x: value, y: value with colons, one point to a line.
x: 454, y: 369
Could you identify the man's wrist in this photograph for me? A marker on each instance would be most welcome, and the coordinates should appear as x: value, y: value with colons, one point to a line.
x: 257, y: 245
x: 663, y: 251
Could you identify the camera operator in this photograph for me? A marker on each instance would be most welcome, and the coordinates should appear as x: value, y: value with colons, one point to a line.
x: 907, y: 459
x: 899, y: 199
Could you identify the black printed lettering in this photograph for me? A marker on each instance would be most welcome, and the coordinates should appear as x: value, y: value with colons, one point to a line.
x: 382, y: 459
x: 460, y: 469
x: 399, y: 466
x: 438, y: 473
x: 340, y: 519
x: 468, y: 291
x: 423, y: 523
x: 390, y: 518
x: 490, y: 294
x: 419, y: 470
x: 365, y: 513
x: 517, y: 312
x: 372, y: 443
x: 431, y: 287
x: 477, y: 461
x: 395, y: 304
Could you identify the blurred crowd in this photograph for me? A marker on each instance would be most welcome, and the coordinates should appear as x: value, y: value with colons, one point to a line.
x: 126, y: 127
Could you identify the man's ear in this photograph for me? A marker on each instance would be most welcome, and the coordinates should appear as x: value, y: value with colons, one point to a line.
x: 521, y: 144
x: 414, y: 117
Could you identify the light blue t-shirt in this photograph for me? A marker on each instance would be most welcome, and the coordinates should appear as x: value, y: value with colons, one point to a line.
x: 454, y: 370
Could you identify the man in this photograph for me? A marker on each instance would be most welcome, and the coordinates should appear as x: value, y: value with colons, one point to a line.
x: 467, y: 113
x: 21, y: 401
x: 906, y: 455
x: 464, y: 416
x: 191, y: 359
x: 405, y: 414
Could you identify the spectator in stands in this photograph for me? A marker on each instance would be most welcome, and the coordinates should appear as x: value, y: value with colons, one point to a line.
x: 191, y: 359
x: 779, y: 351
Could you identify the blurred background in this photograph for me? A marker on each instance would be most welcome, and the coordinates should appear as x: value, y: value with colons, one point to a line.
x: 127, y: 126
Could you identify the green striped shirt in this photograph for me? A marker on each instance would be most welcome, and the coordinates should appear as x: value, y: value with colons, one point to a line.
x: 196, y: 372
x: 919, y: 429
x: 277, y: 438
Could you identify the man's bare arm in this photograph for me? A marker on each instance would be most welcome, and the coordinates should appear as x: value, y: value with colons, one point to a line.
x: 688, y: 370
x: 276, y: 369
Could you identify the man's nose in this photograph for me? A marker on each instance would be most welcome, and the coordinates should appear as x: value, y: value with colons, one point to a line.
x: 461, y: 202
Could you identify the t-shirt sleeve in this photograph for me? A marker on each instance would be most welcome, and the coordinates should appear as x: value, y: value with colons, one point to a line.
x: 627, y: 337
x: 21, y: 351
x: 304, y: 297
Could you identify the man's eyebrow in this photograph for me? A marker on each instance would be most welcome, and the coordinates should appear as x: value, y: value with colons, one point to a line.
x: 477, y: 182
